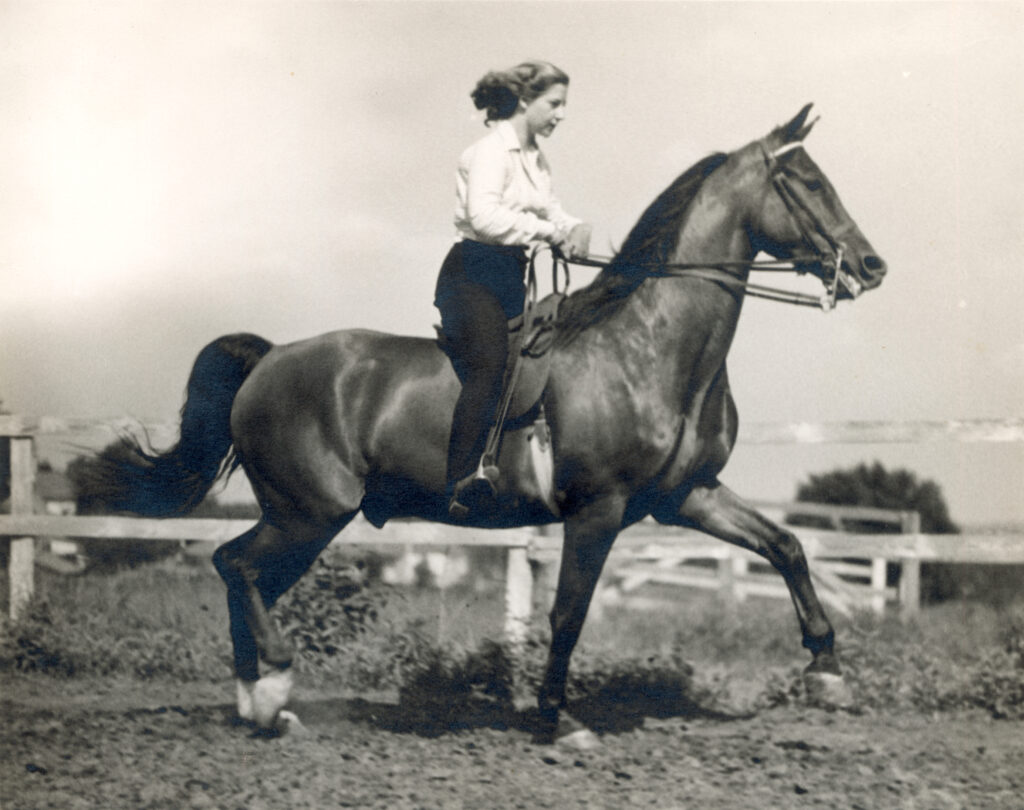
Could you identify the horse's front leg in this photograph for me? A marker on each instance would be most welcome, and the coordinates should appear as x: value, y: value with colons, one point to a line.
x: 589, y: 534
x: 721, y: 513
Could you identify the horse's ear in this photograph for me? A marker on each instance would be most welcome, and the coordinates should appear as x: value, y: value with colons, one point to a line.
x: 796, y: 130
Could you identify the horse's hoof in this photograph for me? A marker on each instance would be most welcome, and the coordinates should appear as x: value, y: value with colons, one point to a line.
x: 580, y: 740
x: 269, y: 695
x: 245, y: 690
x: 828, y: 690
x: 287, y: 724
x: 573, y: 735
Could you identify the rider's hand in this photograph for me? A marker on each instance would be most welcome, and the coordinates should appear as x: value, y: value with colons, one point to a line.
x: 577, y: 244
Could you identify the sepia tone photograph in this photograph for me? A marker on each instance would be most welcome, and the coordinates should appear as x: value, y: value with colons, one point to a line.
x: 511, y: 404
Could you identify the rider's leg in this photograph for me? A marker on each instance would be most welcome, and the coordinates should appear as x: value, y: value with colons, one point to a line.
x: 475, y: 323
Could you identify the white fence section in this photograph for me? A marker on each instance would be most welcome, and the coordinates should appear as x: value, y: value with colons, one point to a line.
x: 644, y: 553
x: 846, y: 583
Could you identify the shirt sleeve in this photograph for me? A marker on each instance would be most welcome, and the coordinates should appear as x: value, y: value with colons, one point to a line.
x: 559, y: 218
x: 489, y: 216
x: 554, y: 213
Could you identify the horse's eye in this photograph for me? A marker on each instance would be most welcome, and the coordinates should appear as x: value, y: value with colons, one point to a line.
x: 812, y: 185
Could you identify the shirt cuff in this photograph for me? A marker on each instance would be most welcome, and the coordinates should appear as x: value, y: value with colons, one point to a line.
x: 550, y: 232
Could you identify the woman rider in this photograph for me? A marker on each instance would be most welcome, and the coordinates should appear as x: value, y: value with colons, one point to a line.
x: 503, y: 204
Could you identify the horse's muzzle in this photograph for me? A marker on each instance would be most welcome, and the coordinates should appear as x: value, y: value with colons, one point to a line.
x: 867, y: 273
x: 872, y: 270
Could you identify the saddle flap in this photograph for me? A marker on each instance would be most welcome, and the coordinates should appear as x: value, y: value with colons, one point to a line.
x: 532, y: 353
x: 543, y: 318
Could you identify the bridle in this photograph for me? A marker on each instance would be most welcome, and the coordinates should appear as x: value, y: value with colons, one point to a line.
x: 813, y: 231
x: 828, y: 250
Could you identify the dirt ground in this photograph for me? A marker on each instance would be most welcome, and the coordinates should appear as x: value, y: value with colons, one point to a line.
x: 87, y: 744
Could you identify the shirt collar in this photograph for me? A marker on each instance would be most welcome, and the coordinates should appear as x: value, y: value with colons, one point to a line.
x: 508, y: 136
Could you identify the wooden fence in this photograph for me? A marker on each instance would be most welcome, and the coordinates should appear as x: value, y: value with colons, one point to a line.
x: 644, y: 553
x: 847, y: 582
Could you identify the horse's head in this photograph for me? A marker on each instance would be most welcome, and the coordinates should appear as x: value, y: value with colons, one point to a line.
x: 803, y: 218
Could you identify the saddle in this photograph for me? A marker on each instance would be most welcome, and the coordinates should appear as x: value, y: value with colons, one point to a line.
x: 530, y: 337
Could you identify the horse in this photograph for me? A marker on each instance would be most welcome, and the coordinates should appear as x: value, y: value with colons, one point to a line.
x: 638, y: 404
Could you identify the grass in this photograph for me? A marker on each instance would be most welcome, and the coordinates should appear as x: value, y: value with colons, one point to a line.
x: 170, y: 621
x: 156, y: 620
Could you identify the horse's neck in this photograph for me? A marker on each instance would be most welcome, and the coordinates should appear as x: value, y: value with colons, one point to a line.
x: 698, y: 309
x: 713, y: 233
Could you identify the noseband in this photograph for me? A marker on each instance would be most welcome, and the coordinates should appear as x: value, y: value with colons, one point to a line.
x: 827, y: 252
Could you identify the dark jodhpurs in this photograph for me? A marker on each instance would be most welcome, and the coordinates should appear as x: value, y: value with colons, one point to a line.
x: 480, y: 287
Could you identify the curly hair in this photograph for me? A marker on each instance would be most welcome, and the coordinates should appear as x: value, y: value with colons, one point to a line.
x: 500, y: 91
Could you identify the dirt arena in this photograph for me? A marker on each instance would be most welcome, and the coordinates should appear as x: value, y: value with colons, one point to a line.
x: 89, y: 744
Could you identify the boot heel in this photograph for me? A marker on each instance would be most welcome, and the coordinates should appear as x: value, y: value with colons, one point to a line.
x: 457, y: 510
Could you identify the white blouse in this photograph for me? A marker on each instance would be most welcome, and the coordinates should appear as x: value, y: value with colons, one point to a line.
x: 503, y: 193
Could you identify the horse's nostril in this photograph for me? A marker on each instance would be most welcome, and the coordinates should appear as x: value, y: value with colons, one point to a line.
x: 874, y: 264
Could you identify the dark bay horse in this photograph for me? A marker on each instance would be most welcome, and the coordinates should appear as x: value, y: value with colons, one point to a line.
x: 641, y: 417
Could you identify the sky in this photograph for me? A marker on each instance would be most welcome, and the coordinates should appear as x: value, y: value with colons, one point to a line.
x: 172, y: 172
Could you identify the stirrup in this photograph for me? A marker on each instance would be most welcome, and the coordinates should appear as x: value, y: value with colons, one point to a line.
x: 473, y: 486
x: 457, y: 510
x: 489, y: 473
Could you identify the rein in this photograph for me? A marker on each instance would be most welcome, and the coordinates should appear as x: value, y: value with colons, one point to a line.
x: 810, y: 226
x: 718, y: 272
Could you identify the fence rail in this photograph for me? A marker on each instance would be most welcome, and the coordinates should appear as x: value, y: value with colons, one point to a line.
x: 846, y: 432
x: 644, y: 553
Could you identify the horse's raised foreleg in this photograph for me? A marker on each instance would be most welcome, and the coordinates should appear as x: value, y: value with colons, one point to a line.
x: 589, y: 535
x: 721, y: 513
x: 257, y: 568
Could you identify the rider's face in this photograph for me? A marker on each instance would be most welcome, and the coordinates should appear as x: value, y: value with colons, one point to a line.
x: 546, y: 111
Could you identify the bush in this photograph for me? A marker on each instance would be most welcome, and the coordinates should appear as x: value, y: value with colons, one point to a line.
x: 48, y: 641
x: 873, y: 485
x: 996, y: 682
x: 28, y: 644
x: 341, y: 627
x: 164, y: 626
x: 446, y: 689
x: 172, y: 623
x: 906, y: 666
x: 329, y: 604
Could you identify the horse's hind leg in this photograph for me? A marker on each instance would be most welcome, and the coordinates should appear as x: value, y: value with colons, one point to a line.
x: 720, y: 512
x: 257, y: 568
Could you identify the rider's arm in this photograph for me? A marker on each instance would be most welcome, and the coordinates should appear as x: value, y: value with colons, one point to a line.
x: 495, y: 203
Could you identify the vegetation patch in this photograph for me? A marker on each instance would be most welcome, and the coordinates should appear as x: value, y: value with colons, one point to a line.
x: 169, y: 621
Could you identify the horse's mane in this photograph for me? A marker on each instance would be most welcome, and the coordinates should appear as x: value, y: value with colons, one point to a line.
x: 651, y: 242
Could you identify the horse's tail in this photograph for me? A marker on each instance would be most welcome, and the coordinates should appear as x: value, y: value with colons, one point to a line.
x: 138, y: 479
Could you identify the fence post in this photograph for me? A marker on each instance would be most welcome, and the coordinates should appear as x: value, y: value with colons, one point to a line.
x: 545, y: 573
x: 878, y: 580
x: 910, y: 569
x: 518, y: 595
x: 731, y: 571
x: 21, y: 560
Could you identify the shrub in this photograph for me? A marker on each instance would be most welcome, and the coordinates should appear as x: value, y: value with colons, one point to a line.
x: 163, y: 627
x: 328, y: 605
x: 341, y: 627
x: 996, y: 682
x: 47, y: 640
x: 28, y: 644
x: 172, y: 623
